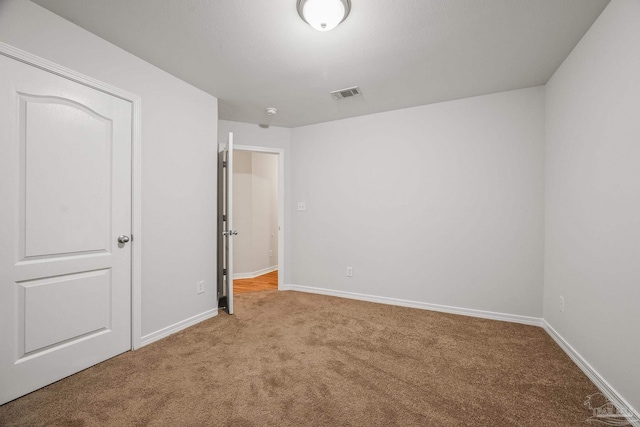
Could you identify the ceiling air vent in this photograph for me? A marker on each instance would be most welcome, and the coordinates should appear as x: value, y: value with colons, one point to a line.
x: 345, y: 93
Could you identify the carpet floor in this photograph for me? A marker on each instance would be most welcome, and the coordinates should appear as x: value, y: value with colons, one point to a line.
x: 296, y: 359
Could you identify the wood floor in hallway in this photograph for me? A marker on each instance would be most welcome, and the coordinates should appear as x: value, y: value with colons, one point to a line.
x: 266, y: 282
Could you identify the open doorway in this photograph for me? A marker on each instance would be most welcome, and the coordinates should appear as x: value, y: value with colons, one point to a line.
x: 257, y: 214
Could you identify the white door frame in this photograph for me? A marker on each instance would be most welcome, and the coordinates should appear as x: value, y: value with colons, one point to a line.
x: 136, y: 161
x: 281, y: 225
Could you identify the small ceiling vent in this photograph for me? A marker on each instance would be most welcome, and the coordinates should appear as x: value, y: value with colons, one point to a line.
x: 345, y: 93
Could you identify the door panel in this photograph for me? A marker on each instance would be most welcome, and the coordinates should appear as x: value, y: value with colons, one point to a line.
x: 65, y: 182
x: 84, y: 297
x: 82, y: 148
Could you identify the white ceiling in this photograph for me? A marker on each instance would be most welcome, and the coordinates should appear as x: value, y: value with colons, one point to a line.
x: 402, y: 53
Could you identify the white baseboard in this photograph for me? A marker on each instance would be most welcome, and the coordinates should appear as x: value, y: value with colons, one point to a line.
x: 595, y: 377
x: 534, y: 321
x: 253, y: 274
x: 172, y: 329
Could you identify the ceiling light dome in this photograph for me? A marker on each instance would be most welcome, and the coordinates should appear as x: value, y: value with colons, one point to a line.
x: 324, y: 15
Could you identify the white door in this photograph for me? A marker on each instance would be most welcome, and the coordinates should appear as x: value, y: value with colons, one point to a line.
x: 65, y: 199
x: 225, y: 225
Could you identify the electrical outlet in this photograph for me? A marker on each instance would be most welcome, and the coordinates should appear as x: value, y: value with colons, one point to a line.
x: 200, y: 287
x: 349, y: 271
x: 302, y: 206
x: 562, y: 304
x: 270, y: 253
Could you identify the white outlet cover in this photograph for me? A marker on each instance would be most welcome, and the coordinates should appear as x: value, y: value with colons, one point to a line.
x: 302, y: 206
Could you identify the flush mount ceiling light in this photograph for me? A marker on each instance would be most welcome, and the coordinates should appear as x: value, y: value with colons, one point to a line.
x: 324, y: 15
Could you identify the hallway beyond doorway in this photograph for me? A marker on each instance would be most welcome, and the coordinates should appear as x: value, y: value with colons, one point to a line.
x: 266, y: 282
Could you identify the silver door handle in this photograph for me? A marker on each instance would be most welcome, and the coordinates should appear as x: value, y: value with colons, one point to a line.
x: 123, y: 239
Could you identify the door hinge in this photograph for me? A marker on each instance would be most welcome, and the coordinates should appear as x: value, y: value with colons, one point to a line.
x: 224, y: 271
x: 224, y: 217
x: 224, y: 164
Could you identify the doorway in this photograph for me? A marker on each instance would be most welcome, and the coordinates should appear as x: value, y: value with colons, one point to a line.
x: 227, y: 232
x: 258, y: 216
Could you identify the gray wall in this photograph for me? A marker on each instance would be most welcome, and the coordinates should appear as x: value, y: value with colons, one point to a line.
x: 439, y: 204
x: 593, y: 198
x: 265, y: 210
x: 179, y: 124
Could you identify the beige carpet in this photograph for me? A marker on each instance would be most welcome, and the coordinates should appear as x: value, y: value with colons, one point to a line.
x: 294, y: 359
